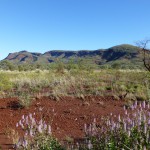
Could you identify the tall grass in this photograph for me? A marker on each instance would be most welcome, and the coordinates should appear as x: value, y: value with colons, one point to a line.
x: 120, y: 84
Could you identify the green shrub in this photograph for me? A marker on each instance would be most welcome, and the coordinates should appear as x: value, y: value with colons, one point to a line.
x: 25, y: 99
x: 5, y: 83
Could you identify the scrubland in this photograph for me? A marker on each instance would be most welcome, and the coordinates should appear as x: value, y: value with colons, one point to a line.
x: 114, y: 131
x: 127, y: 84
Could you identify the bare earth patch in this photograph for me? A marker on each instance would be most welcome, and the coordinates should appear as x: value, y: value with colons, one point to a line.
x: 66, y: 116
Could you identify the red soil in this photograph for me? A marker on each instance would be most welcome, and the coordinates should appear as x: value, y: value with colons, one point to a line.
x: 67, y: 116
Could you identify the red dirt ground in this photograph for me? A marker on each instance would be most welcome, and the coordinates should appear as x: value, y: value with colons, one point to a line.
x: 67, y: 116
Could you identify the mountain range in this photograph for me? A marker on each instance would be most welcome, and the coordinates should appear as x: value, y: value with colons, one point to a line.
x: 124, y: 54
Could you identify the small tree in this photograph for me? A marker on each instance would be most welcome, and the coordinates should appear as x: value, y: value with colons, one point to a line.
x: 7, y: 65
x: 60, y: 67
x: 143, y: 45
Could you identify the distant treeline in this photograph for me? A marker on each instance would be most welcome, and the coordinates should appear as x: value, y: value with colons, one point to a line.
x: 80, y: 64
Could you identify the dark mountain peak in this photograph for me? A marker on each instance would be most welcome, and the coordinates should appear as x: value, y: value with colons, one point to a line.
x: 23, y: 56
x: 125, y: 48
x: 125, y: 45
x: 23, y: 51
x: 123, y: 51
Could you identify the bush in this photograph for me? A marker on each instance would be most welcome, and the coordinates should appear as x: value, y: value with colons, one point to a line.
x: 25, y: 99
x: 129, y: 131
x: 5, y: 83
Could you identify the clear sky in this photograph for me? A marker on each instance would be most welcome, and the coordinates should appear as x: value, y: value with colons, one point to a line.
x: 42, y: 25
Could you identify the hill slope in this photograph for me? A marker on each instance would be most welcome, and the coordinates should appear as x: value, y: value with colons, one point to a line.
x: 121, y: 54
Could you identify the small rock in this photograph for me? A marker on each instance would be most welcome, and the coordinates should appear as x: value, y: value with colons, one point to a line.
x: 86, y: 104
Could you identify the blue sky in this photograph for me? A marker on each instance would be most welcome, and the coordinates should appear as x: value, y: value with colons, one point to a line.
x: 42, y: 25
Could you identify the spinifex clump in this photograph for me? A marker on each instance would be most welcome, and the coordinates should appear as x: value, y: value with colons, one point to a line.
x: 131, y: 130
x: 38, y: 135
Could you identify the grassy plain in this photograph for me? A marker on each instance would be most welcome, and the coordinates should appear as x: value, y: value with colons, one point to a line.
x: 126, y: 84
x: 131, y: 86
